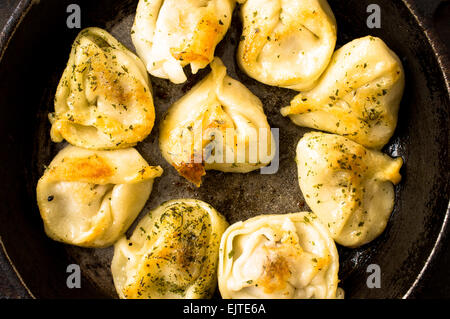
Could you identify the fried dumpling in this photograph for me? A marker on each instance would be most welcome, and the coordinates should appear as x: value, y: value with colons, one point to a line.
x: 286, y: 43
x: 358, y: 96
x: 170, y: 34
x: 90, y: 198
x: 218, y: 125
x: 348, y: 186
x: 103, y: 100
x: 289, y: 256
x: 172, y: 254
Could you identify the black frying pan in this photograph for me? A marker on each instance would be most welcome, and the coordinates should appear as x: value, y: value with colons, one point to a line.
x: 34, y: 49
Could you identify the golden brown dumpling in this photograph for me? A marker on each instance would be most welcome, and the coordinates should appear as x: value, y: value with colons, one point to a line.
x: 219, y: 124
x: 90, y: 198
x: 172, y: 254
x: 349, y: 187
x: 288, y: 256
x: 170, y: 34
x: 104, y: 99
x: 286, y: 43
x: 358, y: 96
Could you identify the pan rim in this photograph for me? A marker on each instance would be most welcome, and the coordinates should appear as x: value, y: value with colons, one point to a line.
x: 442, y: 59
x: 439, y: 52
x: 6, y: 35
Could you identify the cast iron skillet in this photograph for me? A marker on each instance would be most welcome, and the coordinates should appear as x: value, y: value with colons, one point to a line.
x: 34, y: 49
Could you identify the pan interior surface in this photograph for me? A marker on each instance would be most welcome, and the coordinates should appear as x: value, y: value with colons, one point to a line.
x: 34, y: 60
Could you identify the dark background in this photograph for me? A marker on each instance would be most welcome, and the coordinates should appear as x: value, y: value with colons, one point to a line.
x: 437, y: 284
